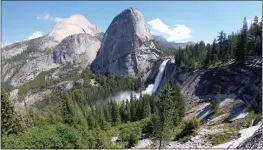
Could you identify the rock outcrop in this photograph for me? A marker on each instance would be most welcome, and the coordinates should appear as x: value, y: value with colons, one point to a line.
x: 242, y: 79
x: 127, y: 47
x: 79, y: 49
x: 37, y: 96
x: 254, y: 142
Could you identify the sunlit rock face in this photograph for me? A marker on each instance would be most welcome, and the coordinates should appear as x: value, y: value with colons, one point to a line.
x: 127, y: 47
x: 75, y: 24
x: 79, y: 50
x: 74, y: 41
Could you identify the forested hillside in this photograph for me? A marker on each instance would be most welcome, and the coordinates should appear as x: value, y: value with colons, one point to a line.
x: 238, y: 46
x: 65, y: 121
x: 235, y: 46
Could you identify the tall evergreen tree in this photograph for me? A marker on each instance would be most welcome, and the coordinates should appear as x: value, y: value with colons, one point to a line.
x: 178, y: 103
x: 101, y: 119
x: 133, y: 108
x: 107, y: 112
x: 122, y: 112
x: 215, y: 51
x: 163, y: 117
x: 67, y: 109
x: 241, y: 47
x: 146, y: 109
x: 127, y: 111
x: 116, y: 119
x: 9, y: 118
x: 139, y: 109
x: 91, y: 120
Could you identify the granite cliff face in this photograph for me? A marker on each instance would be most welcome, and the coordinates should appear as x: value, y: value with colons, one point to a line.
x: 79, y: 50
x: 127, y: 47
x: 241, y: 79
x: 73, y: 41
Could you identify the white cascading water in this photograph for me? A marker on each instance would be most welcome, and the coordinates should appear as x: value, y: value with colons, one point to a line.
x: 149, y: 90
x: 153, y: 87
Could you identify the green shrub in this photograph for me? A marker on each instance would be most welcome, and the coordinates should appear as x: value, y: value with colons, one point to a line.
x: 190, y: 127
x: 251, y: 117
x: 220, y: 138
x: 126, y: 133
x: 131, y: 135
x: 215, y: 105
x: 133, y: 139
x: 45, y: 136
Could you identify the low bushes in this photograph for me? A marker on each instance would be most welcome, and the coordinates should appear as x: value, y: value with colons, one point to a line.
x: 220, y: 138
x: 190, y: 128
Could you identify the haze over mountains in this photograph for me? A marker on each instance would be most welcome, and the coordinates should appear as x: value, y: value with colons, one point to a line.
x: 171, y: 44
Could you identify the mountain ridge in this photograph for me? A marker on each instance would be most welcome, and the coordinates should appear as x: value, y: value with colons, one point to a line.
x: 162, y: 40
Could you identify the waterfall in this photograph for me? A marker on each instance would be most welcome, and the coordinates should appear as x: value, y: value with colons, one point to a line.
x: 149, y: 90
x: 153, y: 87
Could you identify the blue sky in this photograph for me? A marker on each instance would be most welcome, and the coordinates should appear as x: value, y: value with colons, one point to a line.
x: 175, y: 20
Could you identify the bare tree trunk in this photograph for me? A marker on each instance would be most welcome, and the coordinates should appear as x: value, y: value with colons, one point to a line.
x: 160, y: 143
x: 22, y: 118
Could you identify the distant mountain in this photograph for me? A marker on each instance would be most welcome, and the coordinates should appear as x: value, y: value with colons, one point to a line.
x: 170, y: 44
x: 74, y: 41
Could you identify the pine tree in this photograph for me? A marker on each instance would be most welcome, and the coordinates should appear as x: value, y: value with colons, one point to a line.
x: 116, y: 119
x: 107, y: 112
x: 223, y: 43
x: 139, y: 111
x: 208, y: 58
x: 214, y: 51
x: 122, y: 112
x: 240, y: 49
x: 179, y: 103
x: 92, y: 122
x: 67, y: 109
x: 127, y: 111
x: 254, y: 40
x: 163, y: 117
x: 231, y: 44
x: 146, y: 109
x: 9, y: 118
x: 133, y: 108
x: 101, y: 119
x: 152, y: 103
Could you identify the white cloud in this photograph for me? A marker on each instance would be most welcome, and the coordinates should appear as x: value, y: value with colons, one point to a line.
x: 159, y: 26
x: 58, y: 19
x: 7, y: 43
x: 249, y: 22
x: 179, y: 32
x: 45, y: 17
x: 48, y: 17
x: 35, y: 35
